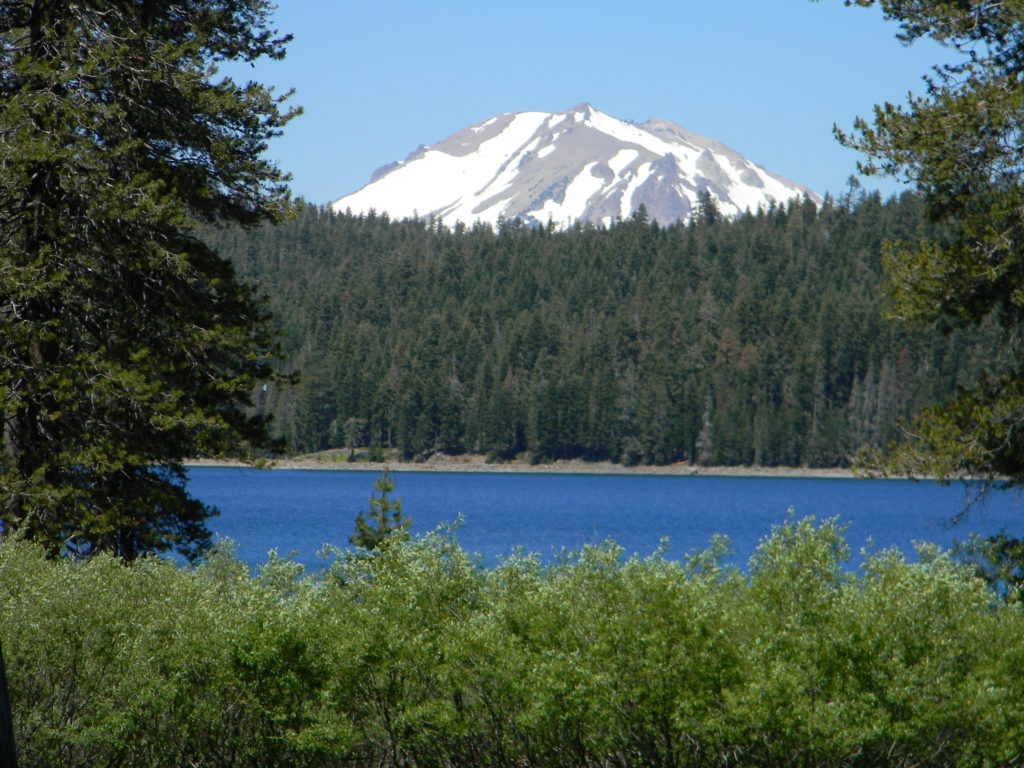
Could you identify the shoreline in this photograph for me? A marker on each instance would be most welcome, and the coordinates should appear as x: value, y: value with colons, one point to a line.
x: 479, y: 464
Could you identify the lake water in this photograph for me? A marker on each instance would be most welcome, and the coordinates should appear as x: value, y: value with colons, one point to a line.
x: 297, y: 511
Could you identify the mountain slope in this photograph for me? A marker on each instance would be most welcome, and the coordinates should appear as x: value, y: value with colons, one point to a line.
x: 576, y: 165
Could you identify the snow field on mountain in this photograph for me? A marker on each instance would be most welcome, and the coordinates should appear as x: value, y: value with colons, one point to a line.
x: 566, y: 166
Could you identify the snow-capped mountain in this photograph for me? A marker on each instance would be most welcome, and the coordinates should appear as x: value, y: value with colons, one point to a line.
x: 580, y: 164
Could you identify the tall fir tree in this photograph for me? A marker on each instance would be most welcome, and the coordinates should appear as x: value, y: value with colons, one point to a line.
x: 960, y: 144
x: 126, y: 344
x: 386, y: 520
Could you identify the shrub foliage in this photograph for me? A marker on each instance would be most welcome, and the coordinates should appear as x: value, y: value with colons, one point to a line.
x: 418, y: 656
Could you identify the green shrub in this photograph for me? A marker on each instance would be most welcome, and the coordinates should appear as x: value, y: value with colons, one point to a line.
x: 416, y: 655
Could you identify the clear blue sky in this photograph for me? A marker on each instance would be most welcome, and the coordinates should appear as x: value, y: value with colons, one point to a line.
x: 767, y: 77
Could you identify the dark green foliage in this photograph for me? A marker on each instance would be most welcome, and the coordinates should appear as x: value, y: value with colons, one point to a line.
x: 753, y: 341
x: 385, y: 516
x: 960, y: 144
x: 419, y: 657
x: 999, y: 560
x: 8, y: 749
x: 126, y: 343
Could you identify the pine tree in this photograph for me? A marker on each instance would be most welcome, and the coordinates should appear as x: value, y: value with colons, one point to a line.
x: 960, y: 143
x: 126, y: 344
x: 706, y: 211
x: 386, y: 517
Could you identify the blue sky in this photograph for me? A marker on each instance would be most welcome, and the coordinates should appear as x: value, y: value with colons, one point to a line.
x: 767, y: 77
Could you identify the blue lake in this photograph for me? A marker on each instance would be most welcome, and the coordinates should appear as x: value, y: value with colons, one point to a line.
x: 297, y: 511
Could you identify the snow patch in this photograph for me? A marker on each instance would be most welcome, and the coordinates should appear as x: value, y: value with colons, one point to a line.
x: 574, y: 200
x: 622, y: 159
x: 484, y: 124
x: 441, y: 180
x: 527, y: 148
x: 642, y: 174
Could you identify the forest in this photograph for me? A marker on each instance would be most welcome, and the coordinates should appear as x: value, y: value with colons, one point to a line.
x: 760, y: 340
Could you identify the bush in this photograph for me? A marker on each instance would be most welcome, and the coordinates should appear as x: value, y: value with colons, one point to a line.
x: 416, y: 655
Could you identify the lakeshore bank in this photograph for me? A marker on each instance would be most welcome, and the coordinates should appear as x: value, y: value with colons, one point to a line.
x: 479, y: 463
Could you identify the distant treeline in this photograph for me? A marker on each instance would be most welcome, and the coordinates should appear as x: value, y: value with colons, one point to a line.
x: 759, y: 340
x: 416, y: 657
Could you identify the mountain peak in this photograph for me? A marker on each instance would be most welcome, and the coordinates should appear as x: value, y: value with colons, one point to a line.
x: 576, y: 165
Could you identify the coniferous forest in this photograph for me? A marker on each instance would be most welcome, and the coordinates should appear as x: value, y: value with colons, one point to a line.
x: 760, y: 340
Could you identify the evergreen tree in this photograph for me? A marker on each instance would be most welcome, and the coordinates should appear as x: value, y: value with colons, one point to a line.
x: 604, y: 343
x: 386, y: 519
x: 126, y: 343
x: 960, y: 143
x: 706, y: 211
